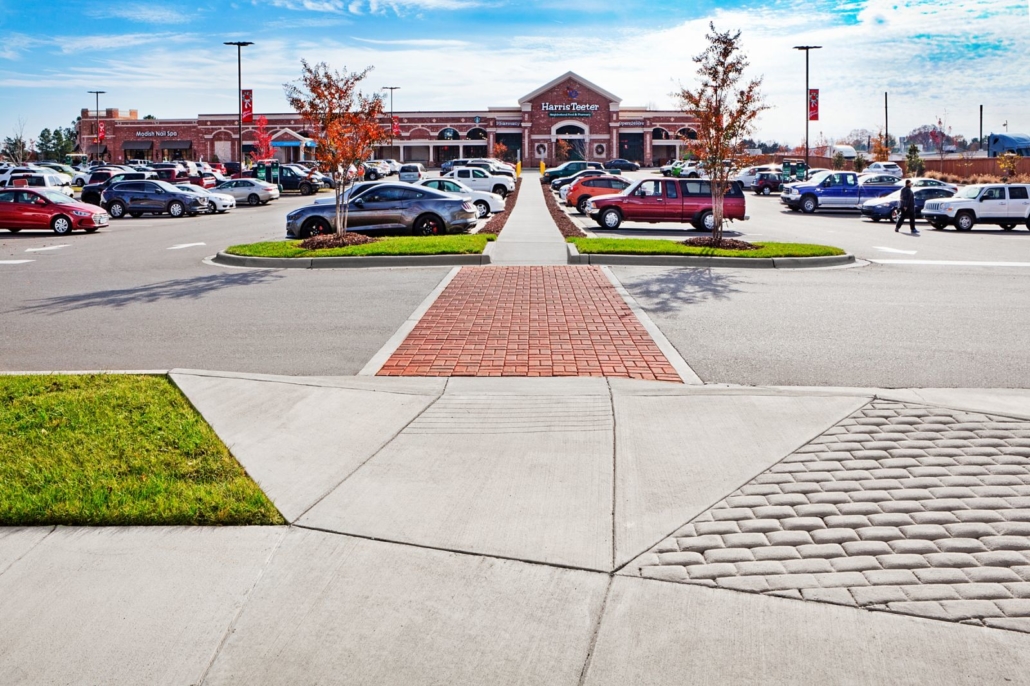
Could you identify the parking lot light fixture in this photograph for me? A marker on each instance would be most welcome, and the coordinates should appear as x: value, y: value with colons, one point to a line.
x: 391, y: 89
x: 807, y: 49
x: 96, y: 113
x: 240, y: 44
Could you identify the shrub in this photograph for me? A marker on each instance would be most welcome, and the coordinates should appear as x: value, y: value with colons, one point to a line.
x: 838, y: 160
x: 860, y: 163
x: 913, y: 162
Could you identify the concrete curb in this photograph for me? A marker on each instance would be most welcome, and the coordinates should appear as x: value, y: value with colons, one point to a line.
x: 576, y: 257
x: 228, y: 260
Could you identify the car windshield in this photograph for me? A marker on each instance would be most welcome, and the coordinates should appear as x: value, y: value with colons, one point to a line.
x: 969, y: 192
x: 57, y: 198
x: 165, y: 186
x: 189, y: 188
x: 819, y: 177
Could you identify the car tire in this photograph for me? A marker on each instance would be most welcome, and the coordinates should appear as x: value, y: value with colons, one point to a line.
x: 706, y: 222
x: 895, y: 215
x: 500, y: 190
x: 14, y: 230
x: 116, y: 209
x: 809, y: 204
x: 371, y: 176
x: 92, y: 229
x: 316, y: 226
x: 610, y: 218
x: 965, y: 221
x: 1008, y: 227
x: 482, y: 209
x: 428, y: 225
x: 135, y: 214
x: 581, y: 204
x: 253, y: 200
x: 766, y: 190
x: 61, y: 225
x: 176, y: 209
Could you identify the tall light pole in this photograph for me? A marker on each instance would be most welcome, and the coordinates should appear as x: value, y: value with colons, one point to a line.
x: 391, y: 89
x: 240, y: 44
x: 96, y: 113
x: 807, y: 49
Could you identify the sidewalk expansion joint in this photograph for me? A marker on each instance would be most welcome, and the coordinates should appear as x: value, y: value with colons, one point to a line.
x: 596, y: 632
x: 33, y: 547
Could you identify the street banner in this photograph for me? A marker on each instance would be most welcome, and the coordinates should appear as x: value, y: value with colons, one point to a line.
x: 813, y: 104
x: 396, y: 128
x: 101, y: 132
x: 248, y: 106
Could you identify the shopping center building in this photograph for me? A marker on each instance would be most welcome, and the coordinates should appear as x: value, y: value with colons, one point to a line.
x: 591, y: 121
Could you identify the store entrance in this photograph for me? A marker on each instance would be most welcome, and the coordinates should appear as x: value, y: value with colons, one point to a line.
x: 631, y: 147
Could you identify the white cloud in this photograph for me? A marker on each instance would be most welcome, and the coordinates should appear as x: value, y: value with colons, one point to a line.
x: 418, y: 42
x: 142, y: 13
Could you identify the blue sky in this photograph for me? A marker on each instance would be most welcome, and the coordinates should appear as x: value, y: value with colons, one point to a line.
x: 937, y: 58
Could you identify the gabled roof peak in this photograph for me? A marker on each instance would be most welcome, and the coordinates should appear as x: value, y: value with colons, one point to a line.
x: 570, y: 75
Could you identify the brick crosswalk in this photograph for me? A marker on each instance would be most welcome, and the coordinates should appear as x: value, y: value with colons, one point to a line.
x: 530, y: 321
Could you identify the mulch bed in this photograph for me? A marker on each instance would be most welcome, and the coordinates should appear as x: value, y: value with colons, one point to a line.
x: 568, y: 228
x: 336, y: 240
x: 724, y: 244
x: 496, y: 223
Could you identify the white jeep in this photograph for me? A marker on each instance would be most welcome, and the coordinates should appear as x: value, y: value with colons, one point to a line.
x: 995, y: 203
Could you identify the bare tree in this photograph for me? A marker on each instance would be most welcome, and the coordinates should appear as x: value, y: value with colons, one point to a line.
x: 726, y: 112
x: 16, y: 148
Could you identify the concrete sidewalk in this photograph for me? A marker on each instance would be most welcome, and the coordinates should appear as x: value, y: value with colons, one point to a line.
x: 530, y: 236
x: 561, y: 531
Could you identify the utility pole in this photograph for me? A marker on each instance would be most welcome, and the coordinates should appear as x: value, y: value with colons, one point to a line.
x: 886, y: 127
x: 391, y: 89
x: 980, y: 140
x: 96, y: 113
x: 807, y: 49
x: 239, y: 92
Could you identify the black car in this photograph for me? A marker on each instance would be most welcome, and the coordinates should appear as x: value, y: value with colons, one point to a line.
x: 888, y: 207
x: 451, y: 164
x: 624, y: 165
x: 558, y: 184
x: 136, y: 198
x: 766, y: 183
x: 91, y: 193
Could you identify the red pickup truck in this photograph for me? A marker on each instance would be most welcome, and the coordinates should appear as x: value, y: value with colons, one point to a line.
x: 666, y: 200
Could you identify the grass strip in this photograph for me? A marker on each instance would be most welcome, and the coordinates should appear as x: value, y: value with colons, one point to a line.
x: 454, y: 244
x: 116, y: 450
x: 648, y: 246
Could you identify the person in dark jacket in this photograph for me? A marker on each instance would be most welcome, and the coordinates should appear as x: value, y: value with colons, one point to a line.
x: 907, y: 208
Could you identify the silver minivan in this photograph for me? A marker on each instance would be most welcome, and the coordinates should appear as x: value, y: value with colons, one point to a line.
x: 411, y: 173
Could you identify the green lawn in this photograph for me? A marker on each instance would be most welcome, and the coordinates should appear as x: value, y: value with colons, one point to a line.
x: 647, y: 246
x: 116, y: 450
x: 454, y: 244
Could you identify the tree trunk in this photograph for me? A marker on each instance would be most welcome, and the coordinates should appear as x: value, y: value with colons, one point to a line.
x: 718, y: 192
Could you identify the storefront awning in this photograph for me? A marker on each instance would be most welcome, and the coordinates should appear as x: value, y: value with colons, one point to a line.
x: 176, y: 145
x: 137, y: 145
x: 95, y: 149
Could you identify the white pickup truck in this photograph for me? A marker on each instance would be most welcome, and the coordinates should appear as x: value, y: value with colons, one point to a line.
x: 1002, y: 204
x: 478, y: 179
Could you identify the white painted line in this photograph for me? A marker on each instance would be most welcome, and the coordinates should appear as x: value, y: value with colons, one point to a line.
x: 954, y: 263
x: 15, y: 261
x: 667, y: 348
x: 373, y: 366
x: 900, y: 252
x: 52, y: 247
x: 186, y: 245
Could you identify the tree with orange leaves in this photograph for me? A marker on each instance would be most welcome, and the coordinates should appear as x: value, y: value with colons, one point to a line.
x: 725, y: 111
x: 262, y: 140
x: 345, y: 122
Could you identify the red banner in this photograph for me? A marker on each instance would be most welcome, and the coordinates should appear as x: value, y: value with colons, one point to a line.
x: 396, y: 128
x: 101, y: 132
x: 813, y: 104
x: 248, y: 106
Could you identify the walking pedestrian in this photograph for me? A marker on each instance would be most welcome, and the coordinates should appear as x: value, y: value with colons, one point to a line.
x: 907, y: 208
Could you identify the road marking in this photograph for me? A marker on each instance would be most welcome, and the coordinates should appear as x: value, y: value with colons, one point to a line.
x: 52, y: 247
x: 15, y: 261
x: 954, y: 263
x: 185, y: 245
x: 901, y: 252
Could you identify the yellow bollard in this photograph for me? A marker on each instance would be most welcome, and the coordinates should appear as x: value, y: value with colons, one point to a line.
x: 543, y: 167
x: 518, y: 168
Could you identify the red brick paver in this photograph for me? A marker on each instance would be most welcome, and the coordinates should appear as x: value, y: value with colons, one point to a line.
x: 530, y: 321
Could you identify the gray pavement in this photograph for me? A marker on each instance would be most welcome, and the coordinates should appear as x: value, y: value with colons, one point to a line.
x: 530, y: 236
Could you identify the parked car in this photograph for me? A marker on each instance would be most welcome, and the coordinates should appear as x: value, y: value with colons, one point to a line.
x: 479, y: 179
x: 42, y: 209
x: 374, y: 169
x: 560, y: 183
x: 889, y: 206
x: 216, y: 202
x: 451, y: 164
x: 924, y: 182
x: 253, y: 191
x: 7, y: 172
x: 137, y: 198
x: 492, y: 168
x: 580, y: 192
x: 878, y: 179
x: 568, y: 169
x: 411, y: 173
x: 621, y: 164
x: 995, y: 203
x: 891, y: 168
x: 42, y: 179
x: 666, y: 200
x: 417, y: 210
x: 64, y: 169
x: 485, y: 203
x: 832, y: 191
x: 91, y: 192
x: 748, y: 176
x: 767, y: 182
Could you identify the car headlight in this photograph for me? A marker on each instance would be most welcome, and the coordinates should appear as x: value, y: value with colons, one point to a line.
x: 80, y: 213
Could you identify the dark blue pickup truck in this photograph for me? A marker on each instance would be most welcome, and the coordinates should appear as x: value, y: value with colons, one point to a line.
x: 832, y: 191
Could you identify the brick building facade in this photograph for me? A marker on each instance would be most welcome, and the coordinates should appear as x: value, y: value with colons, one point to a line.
x: 568, y: 115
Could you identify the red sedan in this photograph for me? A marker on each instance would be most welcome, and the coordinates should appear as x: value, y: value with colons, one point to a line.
x: 34, y: 210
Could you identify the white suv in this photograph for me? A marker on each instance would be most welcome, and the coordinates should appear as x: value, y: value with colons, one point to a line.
x: 480, y: 180
x: 891, y: 168
x: 993, y: 203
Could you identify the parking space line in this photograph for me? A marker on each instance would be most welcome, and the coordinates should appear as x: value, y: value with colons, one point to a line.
x: 900, y: 252
x: 15, y: 261
x: 51, y: 247
x: 953, y: 263
x: 186, y: 245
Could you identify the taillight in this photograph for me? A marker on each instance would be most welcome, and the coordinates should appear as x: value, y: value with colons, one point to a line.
x: 467, y: 206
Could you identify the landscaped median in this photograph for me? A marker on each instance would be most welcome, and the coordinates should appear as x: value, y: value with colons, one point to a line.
x: 646, y: 251
x: 453, y: 249
x: 116, y: 449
